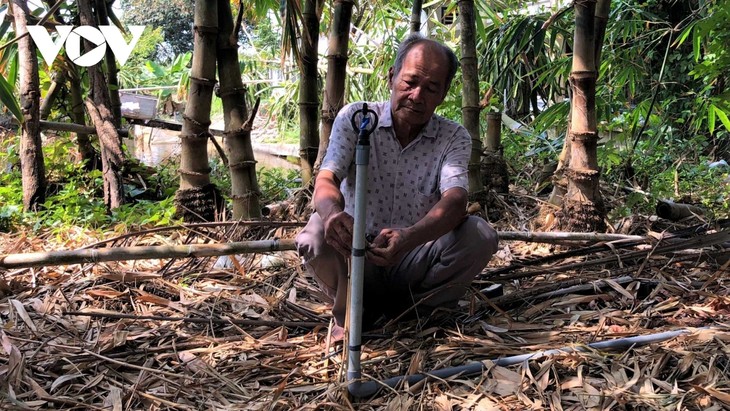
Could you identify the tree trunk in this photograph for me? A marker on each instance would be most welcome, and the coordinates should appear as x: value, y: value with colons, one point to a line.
x: 112, y: 156
x: 582, y: 205
x: 416, y: 15
x: 470, y: 101
x: 87, y: 153
x: 308, y: 92
x: 31, y: 148
x: 59, y: 78
x: 334, y: 89
x: 111, y: 67
x: 244, y: 187
x: 197, y: 199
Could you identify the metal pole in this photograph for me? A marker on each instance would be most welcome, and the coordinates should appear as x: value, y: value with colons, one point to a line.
x: 359, y: 243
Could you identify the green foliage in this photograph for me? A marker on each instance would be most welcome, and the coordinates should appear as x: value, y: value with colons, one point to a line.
x: 75, y: 197
x: 150, y: 73
x: 8, y: 99
x: 173, y: 17
x: 276, y: 183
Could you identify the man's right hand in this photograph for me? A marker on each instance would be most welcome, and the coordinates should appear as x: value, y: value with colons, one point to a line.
x: 338, y: 232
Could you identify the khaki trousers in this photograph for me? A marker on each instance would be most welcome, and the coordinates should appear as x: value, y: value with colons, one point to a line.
x: 434, y: 274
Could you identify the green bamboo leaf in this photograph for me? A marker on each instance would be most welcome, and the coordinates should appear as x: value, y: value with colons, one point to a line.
x: 685, y: 33
x: 12, y: 77
x: 7, y: 97
x: 711, y: 118
x: 723, y: 117
x: 696, y: 39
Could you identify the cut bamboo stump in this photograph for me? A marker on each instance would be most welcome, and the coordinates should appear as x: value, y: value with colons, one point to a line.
x: 676, y: 211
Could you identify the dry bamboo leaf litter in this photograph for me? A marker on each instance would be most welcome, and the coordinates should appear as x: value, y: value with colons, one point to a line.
x: 55, y: 361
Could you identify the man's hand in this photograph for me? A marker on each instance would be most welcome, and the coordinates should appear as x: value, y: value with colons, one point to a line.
x: 388, y: 247
x: 338, y: 232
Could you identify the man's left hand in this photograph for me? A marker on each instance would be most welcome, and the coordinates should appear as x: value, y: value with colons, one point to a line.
x: 388, y: 247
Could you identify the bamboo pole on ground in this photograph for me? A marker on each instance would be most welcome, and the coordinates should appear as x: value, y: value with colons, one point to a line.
x: 75, y: 128
x: 98, y: 255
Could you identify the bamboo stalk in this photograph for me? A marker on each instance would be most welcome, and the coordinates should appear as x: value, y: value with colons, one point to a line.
x: 559, y: 236
x: 75, y: 128
x: 470, y: 93
x: 334, y: 90
x: 99, y: 255
x: 416, y: 16
x: 308, y: 90
x: 85, y: 256
x: 245, y: 190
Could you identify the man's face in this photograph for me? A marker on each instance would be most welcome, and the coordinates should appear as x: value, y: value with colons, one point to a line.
x: 420, y: 86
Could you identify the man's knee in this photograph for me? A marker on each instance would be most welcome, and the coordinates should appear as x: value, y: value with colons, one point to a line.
x: 310, y: 241
x: 478, y: 237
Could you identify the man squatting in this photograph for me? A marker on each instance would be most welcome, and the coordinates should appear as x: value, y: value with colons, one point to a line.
x: 426, y: 250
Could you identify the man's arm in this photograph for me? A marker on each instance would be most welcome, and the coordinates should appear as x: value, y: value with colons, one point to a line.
x: 393, y: 243
x: 330, y: 204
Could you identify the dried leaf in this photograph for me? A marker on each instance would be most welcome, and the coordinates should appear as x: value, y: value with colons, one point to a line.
x: 616, y: 286
x: 104, y: 292
x: 719, y: 395
x: 64, y: 379
x: 113, y: 401
x: 23, y: 314
x: 507, y: 381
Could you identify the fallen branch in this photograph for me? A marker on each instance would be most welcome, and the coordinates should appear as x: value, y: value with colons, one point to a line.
x: 559, y: 237
x: 76, y: 128
x: 99, y: 255
x: 254, y: 323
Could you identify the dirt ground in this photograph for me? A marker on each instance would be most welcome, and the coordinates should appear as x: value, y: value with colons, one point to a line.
x: 196, y: 334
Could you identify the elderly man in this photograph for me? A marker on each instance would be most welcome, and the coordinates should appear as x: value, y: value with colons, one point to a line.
x: 425, y: 250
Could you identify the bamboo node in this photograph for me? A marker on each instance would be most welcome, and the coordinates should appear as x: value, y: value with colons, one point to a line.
x: 243, y: 164
x: 205, y: 172
x: 204, y: 81
x: 235, y: 133
x: 229, y: 91
x: 205, y: 30
x: 583, y: 75
x: 582, y: 174
x: 192, y: 136
x: 585, y: 137
x: 246, y: 195
x: 308, y: 152
x: 196, y: 122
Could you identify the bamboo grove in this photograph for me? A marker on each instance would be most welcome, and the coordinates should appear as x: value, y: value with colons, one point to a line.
x: 557, y: 76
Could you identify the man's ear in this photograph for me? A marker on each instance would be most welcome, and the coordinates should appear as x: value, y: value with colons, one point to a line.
x: 390, y: 77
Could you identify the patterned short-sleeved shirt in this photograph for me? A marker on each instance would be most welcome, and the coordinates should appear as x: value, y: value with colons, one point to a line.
x: 404, y: 183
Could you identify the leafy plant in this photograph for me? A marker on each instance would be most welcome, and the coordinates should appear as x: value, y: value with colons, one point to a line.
x: 277, y: 183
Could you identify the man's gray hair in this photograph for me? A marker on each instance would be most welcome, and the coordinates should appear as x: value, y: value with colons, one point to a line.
x: 416, y: 38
